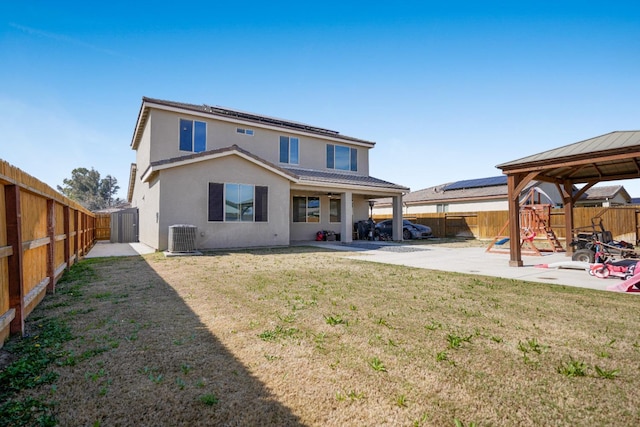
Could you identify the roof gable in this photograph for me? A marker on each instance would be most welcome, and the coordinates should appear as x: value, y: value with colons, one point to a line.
x: 157, y: 166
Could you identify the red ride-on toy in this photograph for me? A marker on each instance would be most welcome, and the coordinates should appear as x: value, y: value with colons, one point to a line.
x: 623, y: 269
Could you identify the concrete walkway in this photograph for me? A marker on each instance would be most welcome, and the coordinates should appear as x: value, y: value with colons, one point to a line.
x: 104, y: 248
x: 433, y: 257
x: 474, y: 261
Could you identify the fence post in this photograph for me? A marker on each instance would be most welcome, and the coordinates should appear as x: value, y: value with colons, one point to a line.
x: 51, y: 249
x: 14, y: 239
x: 67, y: 238
x: 76, y: 236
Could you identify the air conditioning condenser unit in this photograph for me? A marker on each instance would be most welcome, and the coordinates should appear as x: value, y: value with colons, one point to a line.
x: 182, y: 238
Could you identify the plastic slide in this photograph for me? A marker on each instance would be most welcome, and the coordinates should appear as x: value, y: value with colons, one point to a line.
x: 632, y: 284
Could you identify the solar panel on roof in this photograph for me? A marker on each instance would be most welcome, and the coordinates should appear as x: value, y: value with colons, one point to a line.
x: 477, y: 183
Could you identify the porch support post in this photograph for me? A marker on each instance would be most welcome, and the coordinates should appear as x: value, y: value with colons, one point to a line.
x: 397, y: 217
x: 515, y: 252
x: 346, y: 214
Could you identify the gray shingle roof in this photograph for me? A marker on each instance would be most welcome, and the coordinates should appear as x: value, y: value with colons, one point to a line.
x: 340, y: 178
x: 602, y: 192
x: 301, y: 175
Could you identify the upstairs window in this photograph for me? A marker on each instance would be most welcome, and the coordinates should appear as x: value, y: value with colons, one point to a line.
x: 245, y: 131
x: 193, y: 135
x: 289, y: 147
x: 342, y: 158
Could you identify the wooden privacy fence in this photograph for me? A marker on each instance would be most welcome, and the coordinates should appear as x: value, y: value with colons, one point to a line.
x: 42, y: 233
x: 622, y: 221
x: 103, y: 226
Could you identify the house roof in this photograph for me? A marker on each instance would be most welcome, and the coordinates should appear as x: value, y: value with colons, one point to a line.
x: 223, y: 113
x: 300, y: 176
x: 608, y: 157
x: 466, y: 190
x: 605, y: 192
x: 308, y: 176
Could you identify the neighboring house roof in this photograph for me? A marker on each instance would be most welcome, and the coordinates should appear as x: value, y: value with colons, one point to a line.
x: 229, y: 114
x: 466, y: 190
x: 605, y: 192
x: 616, y: 141
x: 301, y: 176
x: 112, y: 209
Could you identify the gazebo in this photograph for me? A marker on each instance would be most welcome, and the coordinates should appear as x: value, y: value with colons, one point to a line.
x: 613, y: 156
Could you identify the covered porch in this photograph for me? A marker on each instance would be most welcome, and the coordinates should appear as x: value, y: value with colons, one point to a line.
x: 332, y: 202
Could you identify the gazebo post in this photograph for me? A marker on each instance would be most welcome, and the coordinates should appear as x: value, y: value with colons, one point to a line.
x: 514, y: 221
x: 568, y: 215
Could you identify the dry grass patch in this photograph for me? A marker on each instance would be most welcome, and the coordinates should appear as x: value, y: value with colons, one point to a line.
x: 303, y: 336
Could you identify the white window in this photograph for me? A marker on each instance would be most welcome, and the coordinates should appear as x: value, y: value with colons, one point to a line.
x: 245, y: 131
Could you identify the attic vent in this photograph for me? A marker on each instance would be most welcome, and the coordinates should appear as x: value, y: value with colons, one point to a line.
x: 182, y: 238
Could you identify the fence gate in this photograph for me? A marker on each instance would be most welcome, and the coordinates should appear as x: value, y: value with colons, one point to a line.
x: 124, y: 226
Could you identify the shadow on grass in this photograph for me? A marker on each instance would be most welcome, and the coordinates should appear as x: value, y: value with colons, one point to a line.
x: 142, y: 357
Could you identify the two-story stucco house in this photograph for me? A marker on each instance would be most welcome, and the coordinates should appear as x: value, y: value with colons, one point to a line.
x: 248, y: 180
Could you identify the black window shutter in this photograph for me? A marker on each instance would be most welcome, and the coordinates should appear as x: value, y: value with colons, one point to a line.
x: 262, y: 204
x: 216, y: 201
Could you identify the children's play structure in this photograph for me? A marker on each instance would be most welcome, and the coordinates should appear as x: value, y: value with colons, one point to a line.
x: 535, y: 225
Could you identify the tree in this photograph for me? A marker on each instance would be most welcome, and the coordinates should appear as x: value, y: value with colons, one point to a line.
x: 86, y: 187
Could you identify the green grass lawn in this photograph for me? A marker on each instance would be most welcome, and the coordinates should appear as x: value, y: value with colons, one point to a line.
x: 303, y: 336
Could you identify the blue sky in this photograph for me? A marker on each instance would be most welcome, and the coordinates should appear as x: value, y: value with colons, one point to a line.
x: 447, y: 90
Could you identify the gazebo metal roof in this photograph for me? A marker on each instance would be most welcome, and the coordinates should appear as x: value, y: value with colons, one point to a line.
x: 608, y: 157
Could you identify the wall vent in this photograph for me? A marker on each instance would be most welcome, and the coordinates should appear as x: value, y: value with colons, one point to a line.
x: 182, y: 238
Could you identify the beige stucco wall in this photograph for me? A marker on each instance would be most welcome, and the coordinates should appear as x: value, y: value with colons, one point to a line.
x: 184, y: 195
x: 143, y: 153
x: 265, y: 143
x: 146, y: 197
